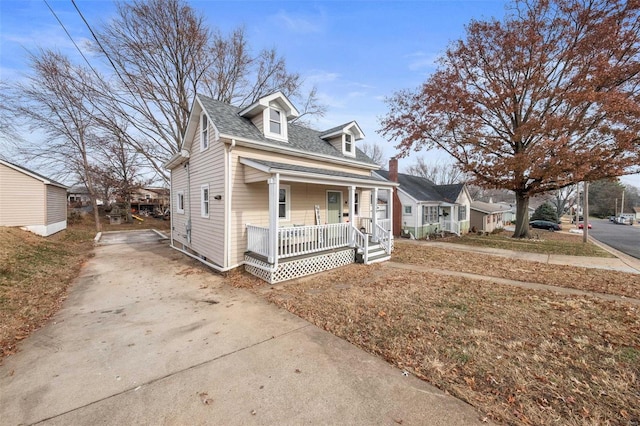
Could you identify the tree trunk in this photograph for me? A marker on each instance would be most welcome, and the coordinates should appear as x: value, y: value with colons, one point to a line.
x: 585, y: 223
x: 522, y: 215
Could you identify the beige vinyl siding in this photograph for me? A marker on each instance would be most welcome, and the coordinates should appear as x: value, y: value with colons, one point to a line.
x: 22, y: 199
x: 250, y: 201
x: 178, y: 220
x: 207, y: 168
x: 56, y: 204
x: 249, y: 153
x: 253, y: 175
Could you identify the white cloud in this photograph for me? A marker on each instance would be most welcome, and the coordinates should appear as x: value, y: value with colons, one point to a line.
x: 320, y: 76
x: 420, y: 61
x: 300, y: 24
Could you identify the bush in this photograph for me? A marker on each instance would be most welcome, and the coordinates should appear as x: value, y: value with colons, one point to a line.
x: 546, y: 211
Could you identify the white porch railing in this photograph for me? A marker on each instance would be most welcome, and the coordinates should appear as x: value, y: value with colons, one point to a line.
x: 361, y: 241
x: 452, y: 226
x: 384, y: 237
x: 299, y: 240
x: 366, y: 223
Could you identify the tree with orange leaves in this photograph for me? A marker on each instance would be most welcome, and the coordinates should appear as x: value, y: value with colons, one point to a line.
x: 548, y: 97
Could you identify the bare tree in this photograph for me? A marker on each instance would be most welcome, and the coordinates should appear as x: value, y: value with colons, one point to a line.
x: 562, y: 198
x: 438, y: 172
x: 375, y: 152
x: 57, y: 100
x: 163, y: 53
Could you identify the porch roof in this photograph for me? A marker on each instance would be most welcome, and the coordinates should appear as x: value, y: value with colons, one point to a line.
x: 298, y: 173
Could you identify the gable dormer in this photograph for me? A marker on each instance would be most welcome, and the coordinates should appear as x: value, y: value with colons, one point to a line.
x: 343, y: 138
x: 271, y: 114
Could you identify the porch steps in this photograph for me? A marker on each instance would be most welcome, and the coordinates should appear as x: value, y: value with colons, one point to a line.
x: 377, y: 253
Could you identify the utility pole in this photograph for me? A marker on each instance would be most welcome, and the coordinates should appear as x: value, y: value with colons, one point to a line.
x: 616, y: 211
x: 585, y: 228
x: 622, y: 203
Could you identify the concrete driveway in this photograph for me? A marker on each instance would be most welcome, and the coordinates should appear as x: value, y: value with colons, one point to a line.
x: 147, y: 336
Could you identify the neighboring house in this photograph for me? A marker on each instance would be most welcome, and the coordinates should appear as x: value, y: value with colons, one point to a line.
x: 509, y: 215
x: 150, y: 199
x: 487, y: 217
x: 427, y: 208
x: 78, y: 196
x: 31, y: 201
x: 250, y: 188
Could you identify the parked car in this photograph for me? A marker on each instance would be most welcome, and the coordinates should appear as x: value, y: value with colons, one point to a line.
x: 581, y: 225
x: 545, y: 224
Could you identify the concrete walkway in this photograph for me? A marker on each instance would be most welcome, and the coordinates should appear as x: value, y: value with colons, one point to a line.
x: 147, y: 337
x: 621, y: 262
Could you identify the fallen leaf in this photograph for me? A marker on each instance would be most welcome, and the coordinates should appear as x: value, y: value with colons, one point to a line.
x: 204, y: 397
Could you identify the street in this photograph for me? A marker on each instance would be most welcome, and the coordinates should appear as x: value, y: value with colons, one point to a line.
x: 621, y: 237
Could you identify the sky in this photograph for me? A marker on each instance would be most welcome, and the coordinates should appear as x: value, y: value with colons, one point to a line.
x: 357, y: 53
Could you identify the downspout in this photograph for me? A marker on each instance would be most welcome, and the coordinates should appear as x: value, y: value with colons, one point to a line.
x: 188, y: 203
x: 228, y: 188
x: 171, y: 204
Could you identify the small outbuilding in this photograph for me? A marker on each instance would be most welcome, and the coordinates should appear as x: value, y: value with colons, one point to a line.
x: 31, y: 201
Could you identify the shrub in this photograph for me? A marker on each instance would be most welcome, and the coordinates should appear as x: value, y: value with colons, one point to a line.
x: 545, y: 211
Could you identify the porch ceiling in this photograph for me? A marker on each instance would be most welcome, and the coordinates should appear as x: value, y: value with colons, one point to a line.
x: 295, y: 173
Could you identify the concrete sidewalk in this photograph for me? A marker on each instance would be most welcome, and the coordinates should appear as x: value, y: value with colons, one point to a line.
x: 147, y: 337
x: 621, y: 263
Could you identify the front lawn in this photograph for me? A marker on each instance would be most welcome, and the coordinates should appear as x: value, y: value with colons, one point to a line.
x: 540, y: 241
x: 520, y: 356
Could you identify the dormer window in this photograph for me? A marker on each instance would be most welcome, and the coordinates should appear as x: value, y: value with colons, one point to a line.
x: 275, y: 121
x: 347, y: 143
x: 204, y: 132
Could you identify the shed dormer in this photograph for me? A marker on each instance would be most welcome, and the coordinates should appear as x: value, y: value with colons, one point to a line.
x: 271, y: 115
x: 344, y: 137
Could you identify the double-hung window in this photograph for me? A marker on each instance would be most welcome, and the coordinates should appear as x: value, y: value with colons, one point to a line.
x: 204, y: 200
x: 348, y: 143
x: 275, y: 121
x: 407, y: 210
x: 462, y: 213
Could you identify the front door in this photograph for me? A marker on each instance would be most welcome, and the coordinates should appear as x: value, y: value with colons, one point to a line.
x: 334, y: 207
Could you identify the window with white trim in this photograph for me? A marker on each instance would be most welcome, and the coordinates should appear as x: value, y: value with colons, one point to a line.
x: 462, y: 213
x: 356, y: 203
x: 204, y: 132
x: 429, y: 214
x: 348, y: 143
x: 284, y: 202
x: 407, y: 210
x: 275, y: 121
x: 204, y: 200
x: 180, y: 202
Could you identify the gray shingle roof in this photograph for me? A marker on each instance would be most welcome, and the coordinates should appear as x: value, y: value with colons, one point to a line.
x: 424, y: 190
x: 295, y: 168
x: 488, y: 207
x: 229, y: 122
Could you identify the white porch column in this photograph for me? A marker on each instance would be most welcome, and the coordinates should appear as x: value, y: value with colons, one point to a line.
x: 274, y: 197
x: 352, y: 212
x: 390, y: 211
x: 374, y: 216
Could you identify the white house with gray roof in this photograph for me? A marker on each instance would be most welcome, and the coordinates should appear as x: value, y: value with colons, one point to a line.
x: 426, y: 208
x: 249, y: 188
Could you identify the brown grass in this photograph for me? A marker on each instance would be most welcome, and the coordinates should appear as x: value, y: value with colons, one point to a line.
x: 587, y: 279
x: 540, y: 241
x: 520, y: 356
x: 35, y: 273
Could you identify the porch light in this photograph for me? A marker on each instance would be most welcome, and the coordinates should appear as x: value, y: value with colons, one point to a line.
x: 217, y: 197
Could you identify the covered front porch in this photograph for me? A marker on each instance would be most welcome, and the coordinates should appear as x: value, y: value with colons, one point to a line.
x: 344, y: 226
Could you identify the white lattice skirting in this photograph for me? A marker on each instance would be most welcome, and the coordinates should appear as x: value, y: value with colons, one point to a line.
x: 299, y: 267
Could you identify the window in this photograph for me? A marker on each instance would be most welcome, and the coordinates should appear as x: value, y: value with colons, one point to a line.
x: 204, y: 200
x: 356, y: 202
x: 429, y: 214
x: 462, y: 213
x: 347, y: 143
x: 180, y: 202
x: 407, y: 209
x: 284, y: 202
x: 275, y: 121
x: 204, y: 132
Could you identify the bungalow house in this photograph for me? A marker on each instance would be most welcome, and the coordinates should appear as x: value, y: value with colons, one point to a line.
x: 426, y: 208
x: 251, y: 188
x: 487, y: 217
x: 509, y: 215
x: 31, y: 201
